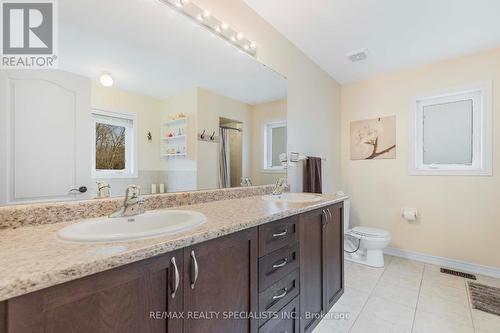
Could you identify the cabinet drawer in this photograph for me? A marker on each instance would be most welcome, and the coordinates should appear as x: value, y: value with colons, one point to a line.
x: 276, y: 265
x: 287, y: 320
x: 279, y: 294
x: 277, y: 234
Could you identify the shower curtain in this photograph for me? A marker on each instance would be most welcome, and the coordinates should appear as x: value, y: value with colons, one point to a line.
x: 224, y: 159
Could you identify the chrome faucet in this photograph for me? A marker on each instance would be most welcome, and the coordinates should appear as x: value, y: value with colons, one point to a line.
x: 280, y: 186
x: 133, y: 203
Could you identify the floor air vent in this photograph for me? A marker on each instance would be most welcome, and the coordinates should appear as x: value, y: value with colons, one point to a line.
x: 457, y: 273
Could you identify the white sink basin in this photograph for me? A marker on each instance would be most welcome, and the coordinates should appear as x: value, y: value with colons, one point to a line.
x: 149, y: 224
x: 293, y: 197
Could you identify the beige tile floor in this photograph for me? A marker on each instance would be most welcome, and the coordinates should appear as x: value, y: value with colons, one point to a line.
x: 406, y: 297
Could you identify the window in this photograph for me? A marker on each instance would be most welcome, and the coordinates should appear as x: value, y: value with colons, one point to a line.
x: 113, y: 145
x: 451, y: 133
x: 275, y: 144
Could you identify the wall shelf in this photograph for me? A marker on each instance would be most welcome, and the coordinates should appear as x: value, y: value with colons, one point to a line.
x: 174, y: 155
x: 177, y: 137
x: 173, y: 138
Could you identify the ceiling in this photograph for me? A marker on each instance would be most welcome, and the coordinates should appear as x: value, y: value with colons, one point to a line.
x: 153, y: 50
x: 397, y: 33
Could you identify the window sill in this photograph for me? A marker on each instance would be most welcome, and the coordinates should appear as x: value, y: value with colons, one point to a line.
x: 280, y: 170
x: 114, y: 176
x: 449, y: 172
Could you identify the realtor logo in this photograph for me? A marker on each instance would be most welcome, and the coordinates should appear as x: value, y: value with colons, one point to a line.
x: 28, y: 34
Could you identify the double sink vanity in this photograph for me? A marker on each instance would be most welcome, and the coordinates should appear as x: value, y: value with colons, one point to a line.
x: 183, y: 109
x: 247, y: 263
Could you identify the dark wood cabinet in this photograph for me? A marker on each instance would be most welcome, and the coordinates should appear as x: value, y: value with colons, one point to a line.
x: 220, y: 276
x: 278, y: 234
x: 125, y: 299
x: 321, y: 263
x: 334, y: 255
x: 312, y: 277
x: 286, y: 321
x: 292, y: 268
x: 3, y: 314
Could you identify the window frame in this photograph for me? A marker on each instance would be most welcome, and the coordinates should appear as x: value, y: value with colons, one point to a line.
x: 131, y: 156
x: 268, y: 143
x: 482, y: 154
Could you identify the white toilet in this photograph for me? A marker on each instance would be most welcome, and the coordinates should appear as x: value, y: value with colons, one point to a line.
x: 364, y: 245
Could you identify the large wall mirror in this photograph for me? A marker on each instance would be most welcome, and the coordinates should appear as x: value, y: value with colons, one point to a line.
x: 142, y: 95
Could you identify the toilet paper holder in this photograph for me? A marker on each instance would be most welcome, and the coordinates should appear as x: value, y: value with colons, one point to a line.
x: 409, y: 214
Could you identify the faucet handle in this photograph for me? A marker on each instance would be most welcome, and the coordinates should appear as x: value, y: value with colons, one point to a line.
x: 133, y: 191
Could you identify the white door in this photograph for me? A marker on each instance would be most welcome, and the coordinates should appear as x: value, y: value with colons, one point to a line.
x: 45, y: 123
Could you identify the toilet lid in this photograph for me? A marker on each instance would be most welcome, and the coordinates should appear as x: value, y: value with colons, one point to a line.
x: 372, y: 232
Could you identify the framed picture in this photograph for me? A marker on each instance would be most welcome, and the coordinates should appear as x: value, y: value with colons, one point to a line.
x: 373, y: 139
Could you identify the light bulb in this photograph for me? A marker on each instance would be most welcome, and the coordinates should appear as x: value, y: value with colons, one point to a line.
x: 253, y: 45
x: 246, y: 47
x: 206, y: 13
x: 239, y: 36
x: 224, y: 26
x: 233, y: 38
x: 217, y: 28
x: 106, y: 80
x: 199, y: 17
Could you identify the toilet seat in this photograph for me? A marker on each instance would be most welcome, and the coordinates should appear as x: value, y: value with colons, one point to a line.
x: 369, y: 232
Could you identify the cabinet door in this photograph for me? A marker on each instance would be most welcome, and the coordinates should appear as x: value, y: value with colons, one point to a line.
x: 334, y: 255
x: 122, y: 300
x: 220, y: 277
x: 312, y: 274
x: 3, y: 318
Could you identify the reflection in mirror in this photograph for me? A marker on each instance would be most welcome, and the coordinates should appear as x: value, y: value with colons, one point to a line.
x: 163, y: 104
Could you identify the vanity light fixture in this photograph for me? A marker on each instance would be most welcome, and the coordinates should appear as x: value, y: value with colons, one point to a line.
x: 106, y: 79
x: 206, y: 19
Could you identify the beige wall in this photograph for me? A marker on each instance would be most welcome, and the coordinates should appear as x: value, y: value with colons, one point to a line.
x: 261, y: 115
x: 211, y: 107
x: 313, y: 96
x: 459, y: 215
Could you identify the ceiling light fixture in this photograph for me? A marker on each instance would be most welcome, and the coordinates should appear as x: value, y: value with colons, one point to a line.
x: 106, y: 79
x: 206, y: 19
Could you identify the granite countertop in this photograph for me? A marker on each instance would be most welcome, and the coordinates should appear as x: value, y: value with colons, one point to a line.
x: 33, y: 258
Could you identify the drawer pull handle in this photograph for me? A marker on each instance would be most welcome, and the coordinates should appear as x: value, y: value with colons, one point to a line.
x: 281, y: 234
x: 176, y: 279
x: 281, y: 264
x: 285, y: 291
x: 194, y: 270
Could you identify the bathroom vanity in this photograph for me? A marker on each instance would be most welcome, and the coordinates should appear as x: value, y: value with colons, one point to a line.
x: 278, y: 263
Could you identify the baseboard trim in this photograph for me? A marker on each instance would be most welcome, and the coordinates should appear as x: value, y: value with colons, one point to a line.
x: 445, y: 262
